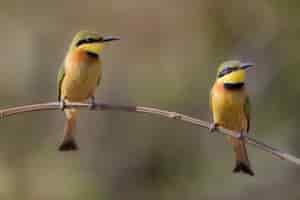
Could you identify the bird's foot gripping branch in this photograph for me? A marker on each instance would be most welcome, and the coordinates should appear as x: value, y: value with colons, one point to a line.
x: 155, y: 111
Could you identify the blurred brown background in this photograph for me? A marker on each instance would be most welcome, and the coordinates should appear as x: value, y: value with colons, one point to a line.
x: 167, y: 58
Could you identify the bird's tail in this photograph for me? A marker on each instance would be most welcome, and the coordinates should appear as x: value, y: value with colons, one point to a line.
x: 242, y: 161
x: 69, y: 143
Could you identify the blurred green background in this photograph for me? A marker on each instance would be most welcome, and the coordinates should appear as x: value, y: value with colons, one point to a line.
x: 167, y: 58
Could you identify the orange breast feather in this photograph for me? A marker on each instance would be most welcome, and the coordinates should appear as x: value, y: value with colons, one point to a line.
x: 228, y: 107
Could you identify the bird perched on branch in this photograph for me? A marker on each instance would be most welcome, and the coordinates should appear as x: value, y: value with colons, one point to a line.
x: 231, y: 108
x: 78, y: 78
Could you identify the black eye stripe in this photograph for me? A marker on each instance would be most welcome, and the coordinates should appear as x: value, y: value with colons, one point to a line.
x: 88, y: 41
x: 227, y: 70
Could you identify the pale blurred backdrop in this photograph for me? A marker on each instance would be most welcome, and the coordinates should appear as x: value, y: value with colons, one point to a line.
x: 167, y: 58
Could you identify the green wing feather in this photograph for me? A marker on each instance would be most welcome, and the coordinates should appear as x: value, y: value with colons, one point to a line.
x: 60, y: 78
x: 210, y: 99
x: 247, y: 108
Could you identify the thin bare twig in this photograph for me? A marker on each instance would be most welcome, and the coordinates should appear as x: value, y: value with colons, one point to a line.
x: 164, y: 113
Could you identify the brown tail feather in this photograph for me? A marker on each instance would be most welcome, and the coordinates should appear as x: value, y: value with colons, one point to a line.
x: 242, y: 167
x: 242, y: 161
x: 69, y: 143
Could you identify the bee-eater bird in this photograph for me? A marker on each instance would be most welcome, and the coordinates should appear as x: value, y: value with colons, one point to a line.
x: 78, y: 78
x: 231, y: 108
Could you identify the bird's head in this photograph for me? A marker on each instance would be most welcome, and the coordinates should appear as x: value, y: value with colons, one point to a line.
x: 232, y: 72
x: 90, y: 41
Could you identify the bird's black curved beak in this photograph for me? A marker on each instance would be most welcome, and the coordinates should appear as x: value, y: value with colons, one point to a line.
x: 247, y: 65
x: 110, y: 38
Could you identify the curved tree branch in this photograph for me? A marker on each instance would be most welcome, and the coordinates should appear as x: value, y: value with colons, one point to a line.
x: 164, y: 113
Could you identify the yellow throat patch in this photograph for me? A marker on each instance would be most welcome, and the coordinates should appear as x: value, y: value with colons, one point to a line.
x: 93, y: 47
x: 233, y: 77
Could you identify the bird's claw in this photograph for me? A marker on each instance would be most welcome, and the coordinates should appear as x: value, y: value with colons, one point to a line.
x: 213, y: 127
x: 241, y: 136
x: 62, y: 104
x: 92, y: 105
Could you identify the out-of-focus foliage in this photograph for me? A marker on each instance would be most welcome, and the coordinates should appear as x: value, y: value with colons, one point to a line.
x: 167, y: 58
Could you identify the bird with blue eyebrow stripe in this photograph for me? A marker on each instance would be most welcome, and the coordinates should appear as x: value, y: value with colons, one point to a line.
x: 230, y: 106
